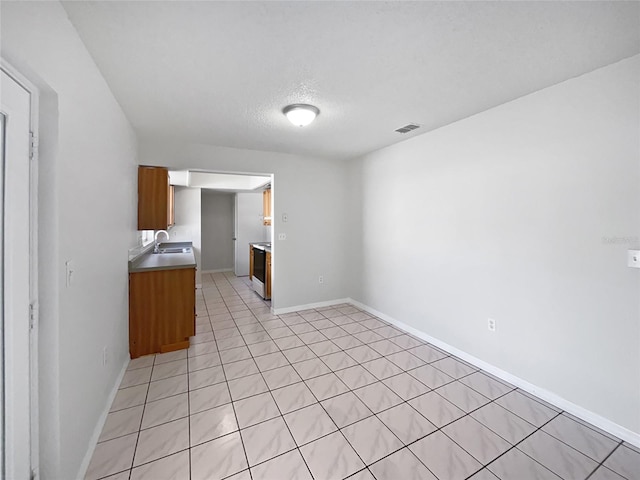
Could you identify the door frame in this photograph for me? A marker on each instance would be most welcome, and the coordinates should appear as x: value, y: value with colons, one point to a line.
x: 242, y: 250
x: 33, y: 346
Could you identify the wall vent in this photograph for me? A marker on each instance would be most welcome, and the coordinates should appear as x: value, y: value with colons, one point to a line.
x: 407, y: 128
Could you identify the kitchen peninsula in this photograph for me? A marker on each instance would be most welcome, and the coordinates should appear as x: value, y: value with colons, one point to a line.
x: 162, y: 299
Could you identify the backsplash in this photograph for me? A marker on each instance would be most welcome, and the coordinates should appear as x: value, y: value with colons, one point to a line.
x: 139, y: 250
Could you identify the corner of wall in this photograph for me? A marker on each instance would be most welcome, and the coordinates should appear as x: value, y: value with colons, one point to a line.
x: 93, y: 442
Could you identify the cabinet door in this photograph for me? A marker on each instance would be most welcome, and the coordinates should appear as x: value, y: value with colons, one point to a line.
x: 267, y: 277
x: 153, y: 198
x: 266, y: 207
x: 251, y: 257
x: 161, y: 310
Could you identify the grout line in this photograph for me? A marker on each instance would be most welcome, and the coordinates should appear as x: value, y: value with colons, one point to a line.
x: 302, y: 381
x: 149, y: 462
x: 189, y: 410
x: 515, y: 446
x: 233, y: 406
x: 144, y: 406
x: 601, y: 464
x: 244, y: 449
x: 338, y: 429
x: 310, y: 322
x: 281, y: 414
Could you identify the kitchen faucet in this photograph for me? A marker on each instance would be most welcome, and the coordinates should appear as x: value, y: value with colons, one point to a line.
x: 157, y: 247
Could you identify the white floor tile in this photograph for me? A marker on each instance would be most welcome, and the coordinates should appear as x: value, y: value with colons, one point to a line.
x: 261, y: 396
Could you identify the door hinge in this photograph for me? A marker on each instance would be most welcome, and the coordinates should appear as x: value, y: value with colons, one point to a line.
x: 33, y: 315
x: 33, y: 146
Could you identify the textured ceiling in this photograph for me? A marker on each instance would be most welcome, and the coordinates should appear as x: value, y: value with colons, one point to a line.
x: 221, y: 72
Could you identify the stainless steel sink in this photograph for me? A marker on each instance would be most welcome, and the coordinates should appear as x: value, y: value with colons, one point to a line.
x: 174, y: 250
x: 173, y: 247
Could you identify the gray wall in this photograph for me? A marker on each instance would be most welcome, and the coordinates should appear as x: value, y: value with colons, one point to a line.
x: 87, y: 213
x: 249, y: 224
x: 217, y: 230
x: 523, y: 213
x: 187, y: 227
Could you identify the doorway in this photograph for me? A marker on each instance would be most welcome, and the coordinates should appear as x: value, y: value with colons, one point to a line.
x: 249, y: 227
x: 18, y: 283
x: 232, y: 214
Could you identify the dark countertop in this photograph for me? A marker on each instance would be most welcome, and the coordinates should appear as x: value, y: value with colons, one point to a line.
x: 149, y: 261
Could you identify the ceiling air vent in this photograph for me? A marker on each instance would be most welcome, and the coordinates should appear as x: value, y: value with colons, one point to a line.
x: 407, y: 128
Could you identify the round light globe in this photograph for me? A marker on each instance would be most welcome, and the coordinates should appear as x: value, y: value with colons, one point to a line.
x: 301, y: 115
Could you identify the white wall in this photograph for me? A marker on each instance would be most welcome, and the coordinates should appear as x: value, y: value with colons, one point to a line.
x: 509, y: 215
x: 313, y: 192
x: 217, y: 230
x: 187, y: 226
x: 87, y: 205
x: 250, y: 228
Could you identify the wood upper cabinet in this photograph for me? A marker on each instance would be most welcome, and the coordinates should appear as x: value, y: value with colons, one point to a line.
x: 266, y: 207
x: 162, y: 309
x: 267, y: 276
x: 155, y: 205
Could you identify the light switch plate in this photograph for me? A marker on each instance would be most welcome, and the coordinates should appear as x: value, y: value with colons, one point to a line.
x: 633, y: 258
x: 68, y: 266
x: 491, y: 324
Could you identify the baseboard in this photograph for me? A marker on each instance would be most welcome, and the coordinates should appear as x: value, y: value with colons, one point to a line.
x: 550, y: 397
x: 220, y: 270
x: 100, y: 424
x: 328, y: 303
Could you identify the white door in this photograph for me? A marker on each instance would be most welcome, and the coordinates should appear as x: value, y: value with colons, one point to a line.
x: 249, y: 228
x: 14, y: 231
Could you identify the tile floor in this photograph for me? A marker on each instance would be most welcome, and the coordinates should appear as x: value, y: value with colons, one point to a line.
x: 333, y: 393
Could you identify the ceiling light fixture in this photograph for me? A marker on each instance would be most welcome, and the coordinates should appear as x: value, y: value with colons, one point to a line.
x: 300, y: 114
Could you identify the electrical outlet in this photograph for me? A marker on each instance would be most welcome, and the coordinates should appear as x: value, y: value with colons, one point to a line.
x: 491, y: 324
x: 320, y: 279
x: 282, y: 236
x: 105, y: 356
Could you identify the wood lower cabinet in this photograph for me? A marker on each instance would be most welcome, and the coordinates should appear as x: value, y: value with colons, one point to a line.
x: 162, y: 310
x: 251, y: 261
x: 267, y: 276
